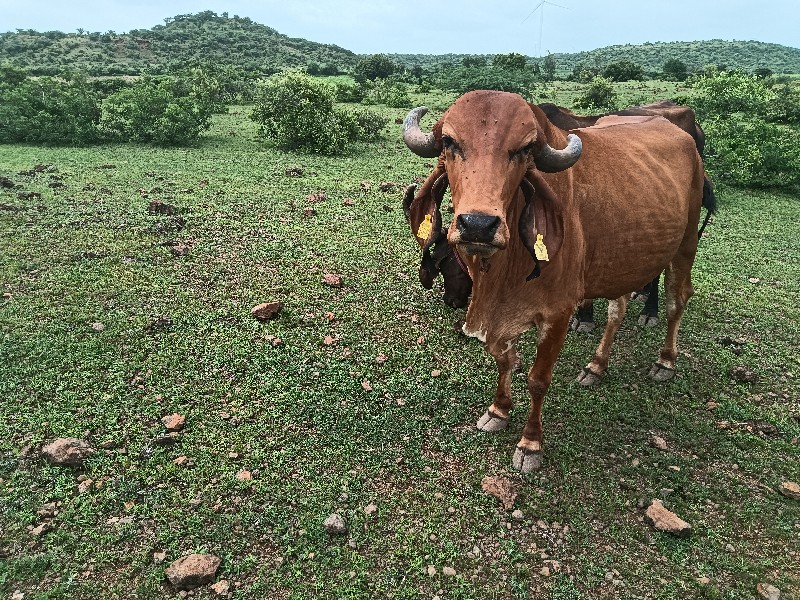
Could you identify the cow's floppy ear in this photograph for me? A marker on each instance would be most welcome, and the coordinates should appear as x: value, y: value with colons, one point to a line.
x: 423, y: 210
x: 541, y: 224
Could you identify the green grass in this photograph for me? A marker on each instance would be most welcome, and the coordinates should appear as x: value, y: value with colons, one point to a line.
x: 174, y: 294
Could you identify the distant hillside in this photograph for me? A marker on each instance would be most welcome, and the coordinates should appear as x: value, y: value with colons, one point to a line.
x: 186, y: 40
x: 745, y: 56
x: 183, y: 41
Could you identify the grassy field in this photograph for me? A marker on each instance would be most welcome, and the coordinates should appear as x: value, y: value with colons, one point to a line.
x: 113, y: 317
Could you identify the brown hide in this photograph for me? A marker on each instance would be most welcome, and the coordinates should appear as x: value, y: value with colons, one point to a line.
x: 625, y: 211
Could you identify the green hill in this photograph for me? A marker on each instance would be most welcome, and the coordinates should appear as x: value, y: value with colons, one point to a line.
x: 186, y: 40
x: 182, y: 41
x: 746, y: 56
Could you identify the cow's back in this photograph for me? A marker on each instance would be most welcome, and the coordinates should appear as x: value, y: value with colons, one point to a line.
x: 638, y: 189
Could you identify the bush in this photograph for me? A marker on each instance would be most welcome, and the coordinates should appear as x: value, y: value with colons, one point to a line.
x: 376, y: 66
x: 623, y: 70
x: 160, y: 112
x: 751, y: 152
x: 599, y: 96
x: 370, y: 124
x: 296, y: 112
x: 675, y: 69
x: 49, y: 111
x: 388, y: 92
x: 466, y: 79
x: 723, y: 93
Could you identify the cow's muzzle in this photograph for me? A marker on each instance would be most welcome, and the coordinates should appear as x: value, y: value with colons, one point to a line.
x: 477, y: 233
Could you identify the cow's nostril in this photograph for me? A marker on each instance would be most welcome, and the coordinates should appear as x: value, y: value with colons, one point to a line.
x: 477, y: 227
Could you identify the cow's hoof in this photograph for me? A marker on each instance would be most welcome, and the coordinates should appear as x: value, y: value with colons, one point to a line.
x: 648, y: 320
x: 640, y: 296
x: 581, y: 326
x: 526, y: 460
x: 588, y: 377
x: 491, y: 422
x: 660, y: 373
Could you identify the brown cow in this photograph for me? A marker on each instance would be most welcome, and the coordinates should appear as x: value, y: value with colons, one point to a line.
x: 442, y: 258
x: 541, y: 229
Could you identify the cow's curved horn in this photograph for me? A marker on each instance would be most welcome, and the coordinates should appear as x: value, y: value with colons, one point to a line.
x: 550, y: 160
x: 420, y: 143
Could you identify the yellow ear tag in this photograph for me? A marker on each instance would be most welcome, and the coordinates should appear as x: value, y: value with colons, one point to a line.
x: 540, y: 248
x: 424, y: 231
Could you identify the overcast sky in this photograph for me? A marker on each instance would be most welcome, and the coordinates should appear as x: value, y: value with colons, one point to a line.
x: 460, y: 26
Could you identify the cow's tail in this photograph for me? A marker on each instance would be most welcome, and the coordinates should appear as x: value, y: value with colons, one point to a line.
x: 709, y: 203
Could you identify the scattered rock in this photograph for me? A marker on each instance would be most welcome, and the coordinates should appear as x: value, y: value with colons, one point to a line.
x: 431, y: 570
x: 67, y: 451
x: 366, y: 385
x: 194, y: 570
x: 157, y: 207
x: 332, y: 279
x: 313, y: 198
x: 244, y: 476
x: 97, y: 326
x: 658, y: 442
x: 370, y: 509
x: 436, y: 373
x: 742, y: 374
x: 40, y: 529
x: 293, y: 172
x: 545, y: 572
x: 348, y: 202
x: 84, y: 486
x: 790, y: 489
x: 703, y: 580
x: 770, y: 592
x: 335, y: 524
x: 309, y: 211
x: 518, y: 515
x: 266, y: 310
x: 174, y: 422
x: 159, y: 557
x: 381, y: 358
x: 753, y: 280
x: 502, y: 488
x: 448, y: 571
x: 222, y: 587
x: 170, y: 439
x: 666, y: 521
x: 48, y: 511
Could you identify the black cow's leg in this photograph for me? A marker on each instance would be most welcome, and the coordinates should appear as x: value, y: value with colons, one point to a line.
x: 528, y: 454
x: 595, y: 370
x: 583, y: 321
x: 649, y: 315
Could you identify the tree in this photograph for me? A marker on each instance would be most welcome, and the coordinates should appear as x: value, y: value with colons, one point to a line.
x: 473, y: 61
x: 549, y: 67
x: 513, y: 61
x: 623, y: 70
x: 675, y: 69
x: 376, y: 66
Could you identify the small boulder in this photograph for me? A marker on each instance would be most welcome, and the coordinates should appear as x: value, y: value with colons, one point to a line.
x: 335, y: 524
x: 266, y: 311
x: 174, y: 422
x: 67, y: 451
x: 502, y: 488
x: 194, y: 570
x: 666, y: 521
x: 769, y: 592
x: 790, y: 489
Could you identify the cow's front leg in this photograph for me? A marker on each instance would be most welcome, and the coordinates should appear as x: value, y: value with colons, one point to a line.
x: 496, y: 417
x: 528, y: 455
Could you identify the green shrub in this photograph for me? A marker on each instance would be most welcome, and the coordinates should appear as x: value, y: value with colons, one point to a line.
x: 465, y: 79
x: 623, y: 70
x: 599, y: 96
x: 751, y: 152
x: 161, y: 112
x: 370, y: 124
x: 296, y: 112
x: 389, y: 92
x: 723, y: 93
x: 49, y: 111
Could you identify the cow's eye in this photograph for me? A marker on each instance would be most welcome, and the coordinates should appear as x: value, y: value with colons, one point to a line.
x: 522, y: 153
x: 448, y: 142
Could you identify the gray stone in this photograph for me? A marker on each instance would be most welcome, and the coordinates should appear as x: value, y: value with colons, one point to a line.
x: 335, y: 524
x: 67, y: 451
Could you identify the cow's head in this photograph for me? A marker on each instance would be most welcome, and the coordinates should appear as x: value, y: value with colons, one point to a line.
x: 490, y: 146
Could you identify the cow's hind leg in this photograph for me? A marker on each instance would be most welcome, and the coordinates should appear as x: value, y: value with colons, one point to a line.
x: 496, y: 416
x: 595, y: 370
x: 528, y: 454
x: 583, y: 321
x: 678, y: 290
